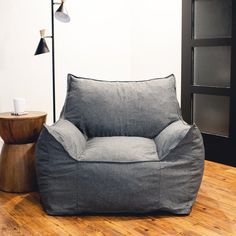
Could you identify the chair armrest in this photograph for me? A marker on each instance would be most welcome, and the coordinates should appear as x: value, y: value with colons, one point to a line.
x: 171, y: 137
x: 181, y: 154
x: 67, y: 135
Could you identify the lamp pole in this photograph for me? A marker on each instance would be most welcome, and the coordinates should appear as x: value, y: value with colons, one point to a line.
x: 53, y: 64
x: 62, y: 15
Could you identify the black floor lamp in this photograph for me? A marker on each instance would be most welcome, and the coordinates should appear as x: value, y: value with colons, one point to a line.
x: 61, y: 15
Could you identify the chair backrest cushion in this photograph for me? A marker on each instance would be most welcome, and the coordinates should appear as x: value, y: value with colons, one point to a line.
x: 121, y: 108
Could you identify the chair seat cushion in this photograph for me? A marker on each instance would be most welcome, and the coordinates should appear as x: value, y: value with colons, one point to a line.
x: 119, y: 149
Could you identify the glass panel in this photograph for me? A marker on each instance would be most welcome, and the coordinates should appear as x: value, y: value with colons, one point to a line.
x: 211, y: 113
x: 212, y: 18
x: 212, y: 66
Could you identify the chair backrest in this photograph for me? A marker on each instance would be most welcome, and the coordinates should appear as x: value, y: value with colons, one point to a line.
x: 121, y: 108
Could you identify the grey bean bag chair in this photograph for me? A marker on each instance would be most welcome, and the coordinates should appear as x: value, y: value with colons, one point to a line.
x: 119, y: 147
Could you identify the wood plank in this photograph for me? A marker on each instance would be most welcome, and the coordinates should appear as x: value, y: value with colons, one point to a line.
x: 214, y: 214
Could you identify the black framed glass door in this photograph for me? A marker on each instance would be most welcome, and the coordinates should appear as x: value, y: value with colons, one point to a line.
x: 208, y: 95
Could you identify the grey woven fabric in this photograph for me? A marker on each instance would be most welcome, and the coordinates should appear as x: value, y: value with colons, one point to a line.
x: 137, y: 108
x: 119, y: 174
x: 120, y: 149
x: 170, y: 137
x: 74, y: 142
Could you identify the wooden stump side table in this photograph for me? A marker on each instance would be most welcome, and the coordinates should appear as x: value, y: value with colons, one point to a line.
x: 17, y: 160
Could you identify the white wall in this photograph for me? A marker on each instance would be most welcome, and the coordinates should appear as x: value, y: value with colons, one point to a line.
x: 106, y: 39
x: 22, y: 74
x: 119, y: 40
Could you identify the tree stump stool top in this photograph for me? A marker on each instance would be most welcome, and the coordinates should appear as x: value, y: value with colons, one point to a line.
x: 21, y: 129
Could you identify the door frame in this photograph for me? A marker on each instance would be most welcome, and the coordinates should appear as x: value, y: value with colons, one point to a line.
x: 218, y: 148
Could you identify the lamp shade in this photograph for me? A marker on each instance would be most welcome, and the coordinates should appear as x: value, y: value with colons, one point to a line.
x: 42, y: 47
x: 61, y: 14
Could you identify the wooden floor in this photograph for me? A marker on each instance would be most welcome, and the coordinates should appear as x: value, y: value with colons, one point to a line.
x: 213, y: 214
